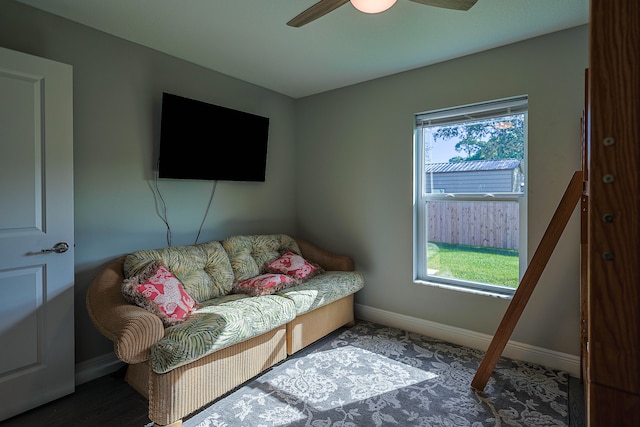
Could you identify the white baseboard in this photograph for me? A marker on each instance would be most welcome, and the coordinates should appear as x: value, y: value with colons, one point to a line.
x: 513, y: 350
x: 96, y: 368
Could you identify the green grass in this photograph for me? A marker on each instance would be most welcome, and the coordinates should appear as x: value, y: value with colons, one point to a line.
x: 474, y: 263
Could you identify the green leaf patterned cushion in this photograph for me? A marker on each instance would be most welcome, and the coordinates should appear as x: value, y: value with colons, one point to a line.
x: 323, y: 289
x: 204, y: 269
x: 250, y: 254
x: 221, y: 322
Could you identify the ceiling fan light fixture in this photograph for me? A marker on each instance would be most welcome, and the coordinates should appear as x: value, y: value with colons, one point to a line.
x: 372, y: 6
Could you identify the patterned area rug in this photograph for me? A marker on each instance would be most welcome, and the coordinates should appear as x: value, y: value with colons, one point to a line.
x: 372, y: 375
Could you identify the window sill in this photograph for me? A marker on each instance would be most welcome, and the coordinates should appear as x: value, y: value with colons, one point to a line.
x: 506, y: 295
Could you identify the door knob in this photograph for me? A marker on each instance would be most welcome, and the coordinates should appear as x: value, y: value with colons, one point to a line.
x: 59, y: 248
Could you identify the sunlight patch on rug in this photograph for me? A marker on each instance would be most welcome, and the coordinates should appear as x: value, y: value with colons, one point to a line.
x: 334, y: 373
x: 372, y: 375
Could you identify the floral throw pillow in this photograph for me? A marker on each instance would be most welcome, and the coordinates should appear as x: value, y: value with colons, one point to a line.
x: 264, y: 284
x: 294, y: 265
x: 157, y: 290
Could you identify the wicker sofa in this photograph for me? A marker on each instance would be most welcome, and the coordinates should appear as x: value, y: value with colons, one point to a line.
x: 230, y: 337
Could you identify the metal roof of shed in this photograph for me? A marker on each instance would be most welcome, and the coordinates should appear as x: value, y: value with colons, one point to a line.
x: 473, y: 165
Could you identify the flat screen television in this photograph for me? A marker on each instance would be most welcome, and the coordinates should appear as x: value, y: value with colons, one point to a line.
x: 203, y: 141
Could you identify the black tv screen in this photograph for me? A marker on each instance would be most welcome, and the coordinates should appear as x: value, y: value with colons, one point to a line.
x: 203, y: 141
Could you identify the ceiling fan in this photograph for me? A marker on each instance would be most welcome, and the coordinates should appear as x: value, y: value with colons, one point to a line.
x: 325, y: 6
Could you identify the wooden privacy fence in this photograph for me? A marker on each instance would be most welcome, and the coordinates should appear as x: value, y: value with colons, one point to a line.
x: 493, y: 224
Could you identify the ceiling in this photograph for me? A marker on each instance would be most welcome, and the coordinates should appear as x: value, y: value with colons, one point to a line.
x: 249, y: 39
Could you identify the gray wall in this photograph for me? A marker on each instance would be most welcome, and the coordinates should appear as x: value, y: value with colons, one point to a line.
x: 355, y: 164
x: 339, y: 167
x: 117, y: 99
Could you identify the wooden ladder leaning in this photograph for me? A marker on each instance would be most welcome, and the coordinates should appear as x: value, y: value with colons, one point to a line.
x: 531, y: 276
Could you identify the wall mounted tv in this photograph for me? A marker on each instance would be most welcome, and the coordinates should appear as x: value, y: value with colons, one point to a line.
x: 202, y: 141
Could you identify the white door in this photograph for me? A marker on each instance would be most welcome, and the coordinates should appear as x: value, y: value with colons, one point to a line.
x: 36, y: 212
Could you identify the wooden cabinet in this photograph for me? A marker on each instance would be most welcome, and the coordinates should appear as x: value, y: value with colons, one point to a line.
x: 612, y: 291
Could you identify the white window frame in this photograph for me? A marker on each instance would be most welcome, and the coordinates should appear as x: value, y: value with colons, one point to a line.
x: 467, y: 113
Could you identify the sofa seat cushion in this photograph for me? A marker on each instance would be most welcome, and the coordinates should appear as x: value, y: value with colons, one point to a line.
x: 323, y: 289
x: 217, y: 324
x: 204, y: 269
x: 249, y: 255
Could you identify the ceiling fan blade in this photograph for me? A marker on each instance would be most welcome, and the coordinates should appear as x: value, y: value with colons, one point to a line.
x: 449, y: 4
x: 316, y: 11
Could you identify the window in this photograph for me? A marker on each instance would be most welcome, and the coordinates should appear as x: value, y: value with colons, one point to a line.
x: 470, y: 196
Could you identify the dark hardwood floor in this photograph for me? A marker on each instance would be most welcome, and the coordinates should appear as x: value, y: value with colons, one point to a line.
x: 110, y: 402
x: 577, y: 415
x: 104, y: 402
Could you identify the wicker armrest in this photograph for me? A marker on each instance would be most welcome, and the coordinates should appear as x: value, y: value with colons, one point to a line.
x: 132, y: 329
x: 325, y: 259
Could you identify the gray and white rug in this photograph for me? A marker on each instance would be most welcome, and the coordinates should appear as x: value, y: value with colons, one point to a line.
x: 372, y: 375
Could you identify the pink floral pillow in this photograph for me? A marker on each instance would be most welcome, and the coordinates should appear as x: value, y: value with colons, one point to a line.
x: 264, y: 284
x: 159, y: 291
x: 295, y: 266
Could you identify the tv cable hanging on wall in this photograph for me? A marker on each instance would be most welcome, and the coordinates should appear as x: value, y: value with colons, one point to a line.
x: 162, y: 210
